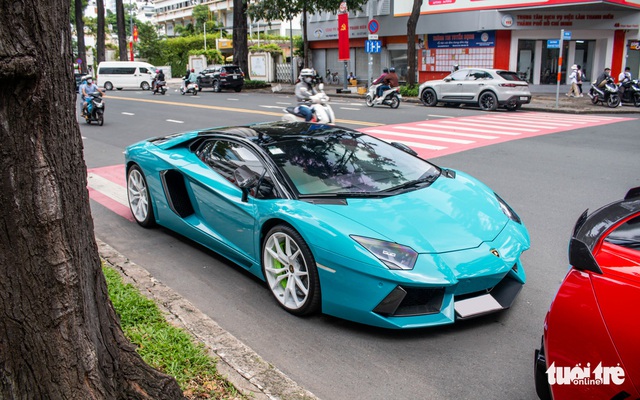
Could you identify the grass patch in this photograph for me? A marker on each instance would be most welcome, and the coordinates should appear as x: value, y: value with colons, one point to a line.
x: 165, y: 347
x: 250, y: 84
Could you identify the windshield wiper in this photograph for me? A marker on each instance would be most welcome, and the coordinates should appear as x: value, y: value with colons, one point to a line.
x: 422, y: 181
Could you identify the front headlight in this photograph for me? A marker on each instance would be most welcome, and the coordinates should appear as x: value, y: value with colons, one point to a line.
x: 508, y: 211
x: 393, y: 255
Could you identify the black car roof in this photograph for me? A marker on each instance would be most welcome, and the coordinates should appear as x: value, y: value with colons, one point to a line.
x: 275, y: 131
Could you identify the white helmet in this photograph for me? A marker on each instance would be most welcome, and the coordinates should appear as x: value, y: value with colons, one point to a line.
x: 307, y: 75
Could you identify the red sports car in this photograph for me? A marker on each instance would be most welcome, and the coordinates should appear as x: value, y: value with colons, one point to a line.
x: 591, y: 343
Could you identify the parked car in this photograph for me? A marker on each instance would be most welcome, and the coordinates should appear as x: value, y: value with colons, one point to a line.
x: 590, y: 347
x: 335, y: 221
x: 224, y: 77
x: 486, y: 88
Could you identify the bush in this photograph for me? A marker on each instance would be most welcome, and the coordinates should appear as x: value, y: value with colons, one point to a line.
x: 249, y: 84
x: 409, y: 90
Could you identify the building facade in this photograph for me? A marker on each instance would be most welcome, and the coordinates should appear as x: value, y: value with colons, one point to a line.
x: 519, y: 35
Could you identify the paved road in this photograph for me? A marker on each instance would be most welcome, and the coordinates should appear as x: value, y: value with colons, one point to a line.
x: 549, y: 179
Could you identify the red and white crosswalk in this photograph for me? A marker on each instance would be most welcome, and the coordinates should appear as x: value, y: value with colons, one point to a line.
x: 435, y: 138
x: 430, y: 138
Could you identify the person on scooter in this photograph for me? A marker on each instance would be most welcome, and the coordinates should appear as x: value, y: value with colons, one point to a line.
x: 601, y: 80
x: 624, y: 80
x: 390, y: 81
x: 304, y: 90
x: 87, y: 90
x: 380, y: 79
x: 159, y: 78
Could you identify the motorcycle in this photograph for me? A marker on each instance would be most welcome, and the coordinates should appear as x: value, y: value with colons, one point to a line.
x: 319, y: 104
x: 608, y: 95
x: 631, y: 93
x: 95, y: 109
x: 159, y: 87
x: 390, y: 97
x: 190, y: 88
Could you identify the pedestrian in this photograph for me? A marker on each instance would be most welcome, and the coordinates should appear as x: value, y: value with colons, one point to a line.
x: 581, y: 79
x: 573, y: 92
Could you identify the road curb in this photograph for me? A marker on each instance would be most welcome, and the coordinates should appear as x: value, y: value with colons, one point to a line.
x: 243, y: 367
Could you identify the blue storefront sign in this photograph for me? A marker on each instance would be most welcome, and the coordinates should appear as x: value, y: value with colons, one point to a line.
x: 463, y: 39
x: 553, y: 44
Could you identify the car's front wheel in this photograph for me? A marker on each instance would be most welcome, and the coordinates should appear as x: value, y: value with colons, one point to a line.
x: 488, y: 101
x: 290, y: 271
x: 145, y: 85
x: 139, y: 198
x: 429, y: 98
x: 108, y: 86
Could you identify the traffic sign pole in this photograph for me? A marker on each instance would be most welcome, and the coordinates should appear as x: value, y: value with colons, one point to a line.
x: 559, y: 68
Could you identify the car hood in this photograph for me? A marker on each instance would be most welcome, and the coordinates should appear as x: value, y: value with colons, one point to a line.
x: 451, y: 214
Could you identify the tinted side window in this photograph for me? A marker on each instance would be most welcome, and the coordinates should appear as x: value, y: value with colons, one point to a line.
x: 627, y: 235
x: 117, y: 70
x: 508, y: 75
x: 144, y: 70
x: 224, y: 157
x: 477, y: 75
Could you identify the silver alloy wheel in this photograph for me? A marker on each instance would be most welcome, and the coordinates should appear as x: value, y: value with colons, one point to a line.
x: 286, y: 271
x: 138, y: 195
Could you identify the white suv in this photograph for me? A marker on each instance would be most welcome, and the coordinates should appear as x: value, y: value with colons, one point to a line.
x: 487, y: 88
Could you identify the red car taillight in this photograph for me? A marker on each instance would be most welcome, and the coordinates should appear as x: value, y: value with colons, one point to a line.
x: 223, y: 74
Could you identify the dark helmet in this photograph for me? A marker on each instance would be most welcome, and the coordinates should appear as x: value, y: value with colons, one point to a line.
x: 386, y: 70
x: 392, y: 69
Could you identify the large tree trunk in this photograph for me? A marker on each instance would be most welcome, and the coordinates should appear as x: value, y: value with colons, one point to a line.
x: 100, y: 34
x: 122, y: 31
x: 411, y: 42
x: 80, y: 33
x: 59, y: 335
x: 240, y: 42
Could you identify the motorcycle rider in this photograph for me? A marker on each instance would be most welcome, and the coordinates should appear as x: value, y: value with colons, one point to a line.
x: 380, y: 79
x: 304, y: 90
x: 189, y: 77
x: 390, y: 81
x: 159, y: 78
x: 87, y: 90
x: 601, y: 80
x: 624, y: 80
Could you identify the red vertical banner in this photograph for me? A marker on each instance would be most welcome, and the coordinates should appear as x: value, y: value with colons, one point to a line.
x: 343, y: 32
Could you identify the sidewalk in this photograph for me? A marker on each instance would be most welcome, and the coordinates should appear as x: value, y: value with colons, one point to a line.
x: 543, y: 99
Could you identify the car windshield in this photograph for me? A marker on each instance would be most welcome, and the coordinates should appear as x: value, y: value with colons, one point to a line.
x: 346, y: 163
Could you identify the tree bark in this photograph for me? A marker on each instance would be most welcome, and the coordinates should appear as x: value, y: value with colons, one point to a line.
x: 100, y: 50
x: 240, y: 42
x: 122, y: 31
x: 59, y: 335
x: 82, y: 55
x: 412, y: 22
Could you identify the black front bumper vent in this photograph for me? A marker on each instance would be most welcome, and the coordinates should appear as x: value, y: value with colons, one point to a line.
x: 408, y: 301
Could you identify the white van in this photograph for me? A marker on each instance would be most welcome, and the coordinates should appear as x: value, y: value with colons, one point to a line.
x: 125, y: 74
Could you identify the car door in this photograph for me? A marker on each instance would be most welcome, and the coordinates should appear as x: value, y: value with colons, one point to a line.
x: 476, y: 81
x: 451, y: 87
x: 219, y: 202
x: 205, y: 77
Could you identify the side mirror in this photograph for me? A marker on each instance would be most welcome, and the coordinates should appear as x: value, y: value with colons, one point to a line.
x: 245, y: 179
x: 321, y: 86
x: 447, y: 79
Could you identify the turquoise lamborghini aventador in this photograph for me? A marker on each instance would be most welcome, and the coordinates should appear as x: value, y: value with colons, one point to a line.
x: 335, y: 221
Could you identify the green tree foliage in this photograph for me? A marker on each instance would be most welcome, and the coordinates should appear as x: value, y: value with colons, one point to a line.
x: 272, y: 48
x: 213, y: 56
x: 270, y: 10
x: 200, y: 15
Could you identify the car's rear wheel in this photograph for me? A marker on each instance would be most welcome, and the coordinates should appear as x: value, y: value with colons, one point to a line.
x: 290, y: 271
x: 429, y: 98
x: 145, y: 85
x: 108, y: 86
x: 488, y: 101
x: 216, y: 86
x: 139, y: 197
x: 238, y: 89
